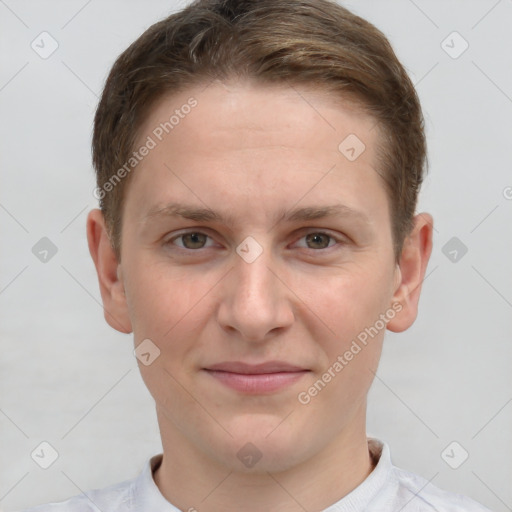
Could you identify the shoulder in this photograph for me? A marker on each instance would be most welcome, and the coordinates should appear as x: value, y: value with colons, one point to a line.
x: 74, y: 504
x: 391, y: 488
x: 116, y: 497
x: 132, y: 495
x: 422, y: 496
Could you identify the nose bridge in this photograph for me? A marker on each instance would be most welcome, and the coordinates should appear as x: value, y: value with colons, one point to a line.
x: 254, y: 281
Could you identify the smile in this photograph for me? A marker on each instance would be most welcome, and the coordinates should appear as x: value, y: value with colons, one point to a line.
x: 256, y: 379
x: 257, y: 383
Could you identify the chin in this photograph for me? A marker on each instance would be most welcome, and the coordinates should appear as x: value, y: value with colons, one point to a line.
x: 261, y: 445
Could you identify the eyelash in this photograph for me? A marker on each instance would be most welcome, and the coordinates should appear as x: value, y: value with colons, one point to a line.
x: 339, y: 241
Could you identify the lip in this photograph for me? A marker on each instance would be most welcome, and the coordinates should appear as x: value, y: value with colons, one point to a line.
x: 256, y: 378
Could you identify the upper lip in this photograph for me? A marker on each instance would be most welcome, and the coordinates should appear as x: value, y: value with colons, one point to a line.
x: 244, y: 368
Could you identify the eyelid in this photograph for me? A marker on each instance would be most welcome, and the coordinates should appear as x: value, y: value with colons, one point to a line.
x: 340, y: 239
x: 201, y: 231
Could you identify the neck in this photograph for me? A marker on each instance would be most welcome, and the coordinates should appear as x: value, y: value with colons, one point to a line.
x: 190, y: 480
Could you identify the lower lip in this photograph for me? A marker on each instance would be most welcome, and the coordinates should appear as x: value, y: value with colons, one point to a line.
x: 257, y: 383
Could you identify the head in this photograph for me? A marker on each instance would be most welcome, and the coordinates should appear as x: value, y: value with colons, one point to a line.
x: 245, y: 112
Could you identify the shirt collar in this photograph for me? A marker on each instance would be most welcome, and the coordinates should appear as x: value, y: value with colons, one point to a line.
x: 145, y: 493
x: 359, y: 498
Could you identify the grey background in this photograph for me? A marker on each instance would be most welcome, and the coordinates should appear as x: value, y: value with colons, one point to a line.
x: 69, y: 379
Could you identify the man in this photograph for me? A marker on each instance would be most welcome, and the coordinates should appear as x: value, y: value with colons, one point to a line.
x: 258, y: 165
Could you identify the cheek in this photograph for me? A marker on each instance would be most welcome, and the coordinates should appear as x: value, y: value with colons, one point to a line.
x: 349, y: 301
x: 171, y: 307
x: 351, y: 308
x: 167, y: 310
x: 162, y: 296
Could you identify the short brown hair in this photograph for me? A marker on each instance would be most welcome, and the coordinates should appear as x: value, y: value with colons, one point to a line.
x: 305, y: 42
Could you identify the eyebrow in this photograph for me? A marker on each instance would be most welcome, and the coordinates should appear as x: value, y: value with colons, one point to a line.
x: 297, y: 214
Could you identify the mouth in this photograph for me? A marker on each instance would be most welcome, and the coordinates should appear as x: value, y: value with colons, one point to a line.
x: 262, y: 378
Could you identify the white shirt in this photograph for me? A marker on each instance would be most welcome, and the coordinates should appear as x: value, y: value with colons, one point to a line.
x: 386, y: 489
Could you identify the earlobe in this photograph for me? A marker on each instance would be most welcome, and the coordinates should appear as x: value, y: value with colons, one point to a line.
x: 109, y: 273
x: 410, y: 273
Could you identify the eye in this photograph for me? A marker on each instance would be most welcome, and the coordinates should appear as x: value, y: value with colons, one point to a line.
x: 192, y: 240
x: 319, y: 240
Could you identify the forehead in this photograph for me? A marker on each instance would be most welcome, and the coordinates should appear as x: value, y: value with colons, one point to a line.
x: 218, y: 139
x: 262, y: 112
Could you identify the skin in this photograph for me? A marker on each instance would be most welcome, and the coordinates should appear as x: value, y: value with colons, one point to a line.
x: 249, y: 151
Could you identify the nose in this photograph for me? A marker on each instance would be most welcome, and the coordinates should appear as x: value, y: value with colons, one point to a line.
x: 255, y: 303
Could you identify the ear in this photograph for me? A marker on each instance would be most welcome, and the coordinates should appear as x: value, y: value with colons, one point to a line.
x: 109, y: 273
x: 411, y: 272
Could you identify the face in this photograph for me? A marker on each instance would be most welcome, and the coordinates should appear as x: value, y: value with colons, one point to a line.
x: 257, y: 313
